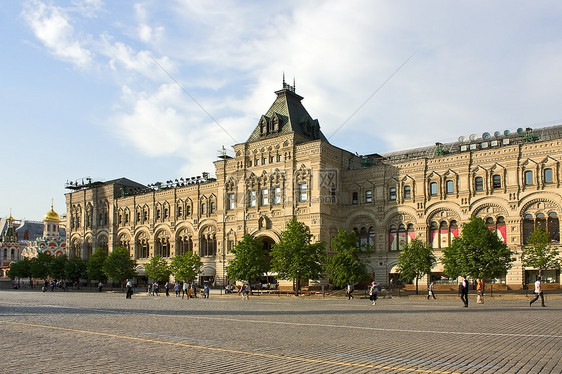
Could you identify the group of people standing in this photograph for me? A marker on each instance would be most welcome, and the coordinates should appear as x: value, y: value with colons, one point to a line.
x: 186, y: 289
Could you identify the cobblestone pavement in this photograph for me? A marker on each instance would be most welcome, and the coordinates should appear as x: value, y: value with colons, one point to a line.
x: 80, y: 332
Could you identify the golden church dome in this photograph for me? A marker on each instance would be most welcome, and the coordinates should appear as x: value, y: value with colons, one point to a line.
x: 51, y: 215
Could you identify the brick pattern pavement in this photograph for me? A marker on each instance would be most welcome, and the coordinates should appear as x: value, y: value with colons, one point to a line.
x: 77, y: 332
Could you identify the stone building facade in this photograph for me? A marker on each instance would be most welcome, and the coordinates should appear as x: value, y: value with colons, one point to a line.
x: 287, y: 168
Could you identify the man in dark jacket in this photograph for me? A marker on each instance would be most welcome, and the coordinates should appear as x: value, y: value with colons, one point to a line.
x: 463, y: 291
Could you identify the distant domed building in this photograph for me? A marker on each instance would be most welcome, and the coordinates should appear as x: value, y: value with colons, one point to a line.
x: 51, y: 242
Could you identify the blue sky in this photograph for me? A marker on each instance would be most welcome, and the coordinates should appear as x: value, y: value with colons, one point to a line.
x: 96, y: 88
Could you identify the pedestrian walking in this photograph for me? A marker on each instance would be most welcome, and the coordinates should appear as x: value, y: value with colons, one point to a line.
x: 184, y: 290
x: 177, y: 289
x: 349, y: 291
x: 149, y: 289
x: 374, y: 293
x: 206, y: 290
x: 244, y: 291
x: 463, y: 291
x: 480, y: 291
x: 129, y: 289
x: 538, y: 292
x: 194, y: 289
x: 167, y: 288
x: 155, y: 289
x: 100, y: 285
x: 431, y: 291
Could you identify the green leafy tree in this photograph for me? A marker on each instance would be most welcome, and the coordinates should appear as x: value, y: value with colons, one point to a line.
x: 20, y: 269
x: 415, y: 261
x: 158, y: 269
x: 95, y: 265
x: 295, y: 257
x: 119, y: 265
x: 477, y: 252
x: 347, y: 265
x: 40, y: 265
x: 57, y: 267
x: 539, y: 254
x: 186, y: 266
x: 75, y: 268
x: 249, y: 262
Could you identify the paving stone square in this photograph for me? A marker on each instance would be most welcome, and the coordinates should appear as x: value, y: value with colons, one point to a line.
x: 83, y: 332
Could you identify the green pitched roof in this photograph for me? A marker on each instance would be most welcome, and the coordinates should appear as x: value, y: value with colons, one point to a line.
x: 285, y: 116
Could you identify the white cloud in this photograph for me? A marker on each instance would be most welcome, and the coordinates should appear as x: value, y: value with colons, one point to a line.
x: 123, y: 58
x: 51, y: 25
x: 147, y: 33
x: 472, y: 71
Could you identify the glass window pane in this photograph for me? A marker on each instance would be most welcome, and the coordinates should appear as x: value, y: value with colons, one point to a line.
x: 392, y: 192
x: 496, y: 181
x: 433, y: 188
x: 450, y: 187
x: 547, y: 175
x: 479, y: 184
x: 407, y: 192
x: 528, y: 177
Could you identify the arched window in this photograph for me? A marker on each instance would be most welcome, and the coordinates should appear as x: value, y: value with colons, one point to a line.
x: 371, y: 236
x: 479, y: 184
x: 548, y: 176
x: 433, y: 188
x: 540, y: 222
x: 549, y: 224
x: 528, y: 227
x: 496, y: 181
x: 553, y: 227
x: 208, y: 245
x: 363, y: 237
x: 407, y: 192
x: 399, y: 236
x: 392, y: 238
x: 402, y: 240
x: 184, y: 243
x: 441, y: 234
x: 453, y: 231
x: 501, y: 229
x: 528, y: 177
x: 450, y: 185
x: 498, y: 226
x: 162, y: 246
x: 142, y: 249
x: 392, y: 193
x: 433, y: 235
x: 411, y: 233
